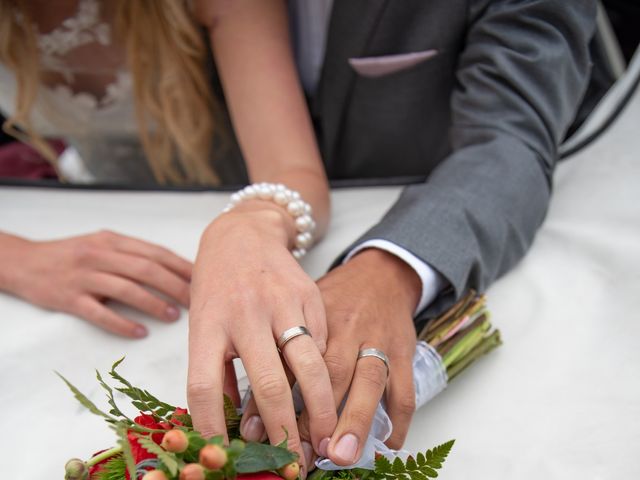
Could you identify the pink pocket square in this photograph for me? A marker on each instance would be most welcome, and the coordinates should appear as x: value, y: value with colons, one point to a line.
x: 384, y: 65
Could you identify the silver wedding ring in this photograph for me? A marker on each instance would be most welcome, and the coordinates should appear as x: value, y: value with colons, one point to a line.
x: 289, y: 334
x: 374, y: 352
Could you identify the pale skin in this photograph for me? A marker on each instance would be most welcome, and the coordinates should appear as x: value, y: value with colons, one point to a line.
x: 245, y: 288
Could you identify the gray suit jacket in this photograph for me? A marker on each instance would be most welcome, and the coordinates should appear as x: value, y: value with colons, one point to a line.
x: 480, y: 120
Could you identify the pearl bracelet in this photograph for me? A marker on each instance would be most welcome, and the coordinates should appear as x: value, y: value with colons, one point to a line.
x: 288, y: 199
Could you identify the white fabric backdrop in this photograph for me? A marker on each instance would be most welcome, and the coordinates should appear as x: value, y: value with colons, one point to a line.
x: 560, y: 399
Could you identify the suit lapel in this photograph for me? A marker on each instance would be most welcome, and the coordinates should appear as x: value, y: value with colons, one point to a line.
x: 351, y: 26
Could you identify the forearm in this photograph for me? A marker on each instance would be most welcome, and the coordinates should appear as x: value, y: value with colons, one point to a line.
x: 252, y: 49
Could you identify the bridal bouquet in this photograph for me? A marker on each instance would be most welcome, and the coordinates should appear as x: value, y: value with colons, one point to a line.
x: 161, y: 444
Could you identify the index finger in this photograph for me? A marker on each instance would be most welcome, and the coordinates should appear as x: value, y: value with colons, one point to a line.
x: 163, y: 256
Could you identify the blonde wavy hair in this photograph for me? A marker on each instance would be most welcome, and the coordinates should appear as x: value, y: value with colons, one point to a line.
x: 166, y: 54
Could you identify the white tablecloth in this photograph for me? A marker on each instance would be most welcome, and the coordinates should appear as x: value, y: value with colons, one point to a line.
x: 560, y: 399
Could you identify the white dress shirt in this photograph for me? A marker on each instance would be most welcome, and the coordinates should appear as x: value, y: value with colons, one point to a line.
x: 309, y: 26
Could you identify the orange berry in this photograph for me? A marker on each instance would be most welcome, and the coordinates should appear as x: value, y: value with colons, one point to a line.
x: 192, y: 471
x: 213, y: 457
x: 175, y: 441
x: 155, y: 475
x: 290, y: 472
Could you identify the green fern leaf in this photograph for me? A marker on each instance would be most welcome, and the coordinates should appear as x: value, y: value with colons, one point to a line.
x: 383, y: 465
x: 121, y: 430
x: 114, y: 469
x: 141, y: 399
x: 84, y: 400
x: 398, y: 466
x: 420, y: 459
x: 411, y: 463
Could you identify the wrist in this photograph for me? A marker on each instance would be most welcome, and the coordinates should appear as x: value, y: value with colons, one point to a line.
x: 263, y: 217
x: 398, y: 279
x: 12, y: 260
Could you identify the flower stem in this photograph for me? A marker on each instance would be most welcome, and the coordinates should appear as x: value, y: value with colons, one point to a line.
x: 103, y: 456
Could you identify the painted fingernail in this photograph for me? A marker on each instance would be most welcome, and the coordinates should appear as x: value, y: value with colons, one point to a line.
x: 347, y: 447
x: 253, y: 429
x: 172, y: 313
x: 322, y: 446
x: 140, y: 331
x: 308, y: 453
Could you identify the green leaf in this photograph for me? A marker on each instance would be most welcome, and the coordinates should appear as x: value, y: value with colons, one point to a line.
x: 411, y: 463
x: 217, y: 440
x: 114, y: 469
x: 417, y: 475
x: 141, y: 399
x: 429, y: 472
x: 168, y: 459
x: 383, y: 465
x: 231, y: 417
x: 115, y: 410
x: 84, y: 400
x: 259, y: 457
x: 398, y: 466
x: 121, y: 431
x: 214, y: 475
x: 284, y: 443
x: 421, y: 460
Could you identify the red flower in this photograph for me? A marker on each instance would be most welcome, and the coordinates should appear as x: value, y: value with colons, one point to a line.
x: 178, y: 411
x: 138, y: 452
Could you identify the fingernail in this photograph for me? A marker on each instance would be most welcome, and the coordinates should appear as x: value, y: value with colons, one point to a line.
x: 172, y: 313
x: 140, y: 332
x: 322, y: 446
x: 347, y: 448
x: 253, y: 429
x: 308, y: 453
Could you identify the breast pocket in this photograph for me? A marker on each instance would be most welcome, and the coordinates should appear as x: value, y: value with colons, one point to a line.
x: 379, y: 66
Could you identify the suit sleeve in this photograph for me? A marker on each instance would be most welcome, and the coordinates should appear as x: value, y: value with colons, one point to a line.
x: 519, y: 80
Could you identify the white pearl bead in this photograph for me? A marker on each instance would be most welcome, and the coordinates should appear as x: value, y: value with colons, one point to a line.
x: 303, y: 240
x: 280, y: 188
x: 307, y: 209
x: 280, y: 198
x: 295, y: 208
x: 235, y: 198
x: 295, y: 195
x: 264, y: 192
x: 298, y: 253
x: 250, y: 191
x: 303, y: 223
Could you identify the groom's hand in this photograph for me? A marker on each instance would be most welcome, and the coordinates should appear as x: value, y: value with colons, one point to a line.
x: 369, y: 303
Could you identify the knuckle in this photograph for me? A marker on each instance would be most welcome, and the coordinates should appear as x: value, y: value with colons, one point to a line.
x: 272, y: 387
x: 325, y: 416
x: 308, y: 366
x: 339, y: 372
x: 199, y: 392
x: 106, y: 235
x: 373, y: 373
x: 405, y: 406
x: 85, y: 252
x: 360, y: 419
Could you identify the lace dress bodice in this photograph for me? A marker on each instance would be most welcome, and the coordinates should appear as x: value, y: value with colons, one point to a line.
x: 85, y: 97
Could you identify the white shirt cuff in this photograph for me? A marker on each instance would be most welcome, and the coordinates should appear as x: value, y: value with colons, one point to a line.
x: 432, y: 281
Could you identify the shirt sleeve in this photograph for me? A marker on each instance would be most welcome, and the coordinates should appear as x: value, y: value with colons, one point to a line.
x: 432, y: 281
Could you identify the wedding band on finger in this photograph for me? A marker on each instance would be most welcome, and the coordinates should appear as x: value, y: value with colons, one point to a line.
x: 290, y: 334
x: 374, y: 352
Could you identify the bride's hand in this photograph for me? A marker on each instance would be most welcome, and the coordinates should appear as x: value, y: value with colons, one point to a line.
x: 247, y: 290
x: 77, y: 275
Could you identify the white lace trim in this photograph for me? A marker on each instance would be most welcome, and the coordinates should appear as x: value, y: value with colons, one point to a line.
x: 83, y: 28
